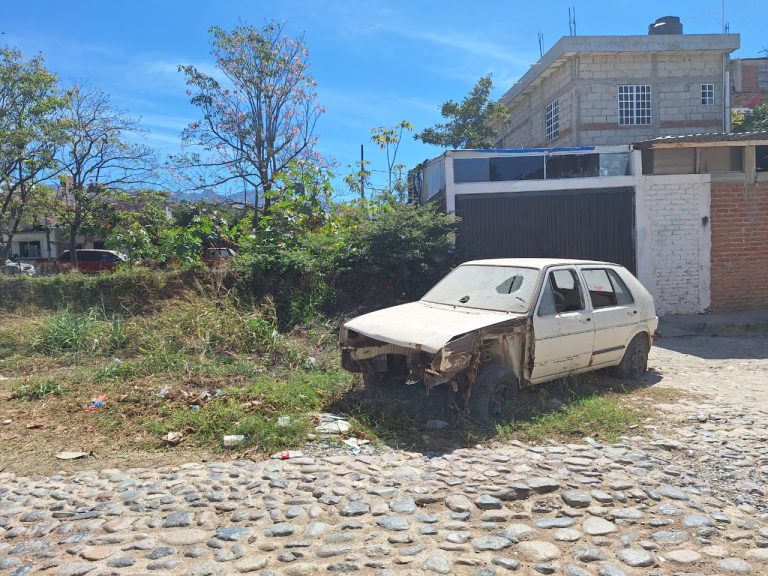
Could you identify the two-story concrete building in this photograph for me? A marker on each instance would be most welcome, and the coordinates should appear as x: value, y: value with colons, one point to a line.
x: 613, y: 90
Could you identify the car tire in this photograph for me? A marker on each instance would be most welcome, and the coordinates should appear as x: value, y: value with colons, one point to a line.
x: 495, y: 395
x: 634, y: 364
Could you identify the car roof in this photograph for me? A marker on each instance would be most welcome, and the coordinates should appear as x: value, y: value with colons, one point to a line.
x: 539, y: 263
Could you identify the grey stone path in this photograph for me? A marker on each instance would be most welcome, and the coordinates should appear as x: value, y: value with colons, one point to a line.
x: 689, y: 501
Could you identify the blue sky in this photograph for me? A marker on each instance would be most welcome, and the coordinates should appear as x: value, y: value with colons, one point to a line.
x: 375, y: 62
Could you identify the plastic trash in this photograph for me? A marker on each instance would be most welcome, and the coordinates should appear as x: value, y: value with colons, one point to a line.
x: 287, y: 455
x: 98, y: 402
x: 195, y: 407
x: 71, y: 455
x: 173, y: 438
x: 284, y: 421
x: 233, y: 440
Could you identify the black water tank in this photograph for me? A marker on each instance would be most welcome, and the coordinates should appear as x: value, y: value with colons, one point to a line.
x: 666, y: 25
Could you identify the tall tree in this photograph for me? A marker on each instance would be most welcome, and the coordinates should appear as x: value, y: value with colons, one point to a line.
x: 98, y: 158
x: 30, y: 132
x: 258, y: 118
x: 388, y: 139
x: 469, y: 122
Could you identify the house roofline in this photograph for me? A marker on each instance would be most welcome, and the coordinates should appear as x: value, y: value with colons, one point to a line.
x: 568, y: 46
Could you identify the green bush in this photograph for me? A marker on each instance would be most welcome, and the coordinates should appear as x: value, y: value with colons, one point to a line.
x: 363, y: 255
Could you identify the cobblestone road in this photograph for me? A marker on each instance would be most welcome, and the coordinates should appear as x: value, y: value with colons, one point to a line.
x: 686, y: 498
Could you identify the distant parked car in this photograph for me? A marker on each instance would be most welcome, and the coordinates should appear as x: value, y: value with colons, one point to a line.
x: 25, y: 268
x: 217, y: 255
x: 93, y: 260
x: 493, y: 327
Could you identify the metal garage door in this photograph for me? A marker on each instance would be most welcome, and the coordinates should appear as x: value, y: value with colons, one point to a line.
x: 595, y: 224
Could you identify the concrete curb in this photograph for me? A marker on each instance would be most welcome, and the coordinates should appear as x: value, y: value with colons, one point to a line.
x: 737, y: 324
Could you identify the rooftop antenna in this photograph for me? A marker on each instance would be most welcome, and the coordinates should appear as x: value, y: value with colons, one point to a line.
x: 541, y: 44
x: 723, y: 25
x: 572, y: 20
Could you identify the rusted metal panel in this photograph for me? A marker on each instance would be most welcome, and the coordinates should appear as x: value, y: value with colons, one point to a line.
x: 592, y: 224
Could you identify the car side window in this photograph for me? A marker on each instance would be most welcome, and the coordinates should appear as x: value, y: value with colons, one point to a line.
x: 562, y: 293
x: 623, y: 295
x: 606, y: 288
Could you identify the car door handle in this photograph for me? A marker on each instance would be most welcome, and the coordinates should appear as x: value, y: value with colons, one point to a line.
x: 631, y: 313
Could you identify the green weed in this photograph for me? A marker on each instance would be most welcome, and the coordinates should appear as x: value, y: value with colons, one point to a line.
x: 37, y: 389
x: 602, y: 417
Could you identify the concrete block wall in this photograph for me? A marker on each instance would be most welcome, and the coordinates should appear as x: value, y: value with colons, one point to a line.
x: 587, y: 86
x: 740, y: 245
x: 673, y: 242
x: 526, y: 128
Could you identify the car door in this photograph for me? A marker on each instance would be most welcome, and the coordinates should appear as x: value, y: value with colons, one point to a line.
x: 614, y: 313
x: 562, y: 326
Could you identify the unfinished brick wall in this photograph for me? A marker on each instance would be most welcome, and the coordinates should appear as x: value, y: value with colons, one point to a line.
x: 739, y: 219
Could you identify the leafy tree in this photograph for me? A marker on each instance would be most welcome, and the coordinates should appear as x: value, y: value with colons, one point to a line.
x: 30, y: 133
x: 258, y: 121
x: 388, y: 139
x: 97, y: 159
x: 139, y: 226
x: 753, y: 120
x: 469, y: 122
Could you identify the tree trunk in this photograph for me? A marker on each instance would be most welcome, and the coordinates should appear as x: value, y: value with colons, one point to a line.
x: 6, y: 250
x: 73, y: 230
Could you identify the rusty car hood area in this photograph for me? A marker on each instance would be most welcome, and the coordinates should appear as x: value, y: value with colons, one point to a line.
x: 423, y: 325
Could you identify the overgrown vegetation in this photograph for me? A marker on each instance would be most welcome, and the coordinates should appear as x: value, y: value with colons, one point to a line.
x: 200, y: 366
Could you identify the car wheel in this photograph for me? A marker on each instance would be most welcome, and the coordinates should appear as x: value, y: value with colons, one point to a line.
x: 635, y: 361
x: 494, y: 397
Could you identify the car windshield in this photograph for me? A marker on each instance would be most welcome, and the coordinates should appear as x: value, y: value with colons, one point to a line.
x: 499, y: 288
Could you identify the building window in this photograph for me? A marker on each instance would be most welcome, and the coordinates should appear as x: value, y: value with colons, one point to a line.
x: 29, y: 249
x: 552, y: 120
x: 708, y: 94
x: 634, y: 105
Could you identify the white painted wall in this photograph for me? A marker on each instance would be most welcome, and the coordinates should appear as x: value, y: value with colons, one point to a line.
x: 673, y: 244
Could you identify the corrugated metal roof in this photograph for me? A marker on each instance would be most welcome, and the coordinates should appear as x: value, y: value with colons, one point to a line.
x: 760, y: 135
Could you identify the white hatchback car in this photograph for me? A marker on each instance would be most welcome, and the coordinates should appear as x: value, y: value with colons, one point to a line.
x: 491, y: 327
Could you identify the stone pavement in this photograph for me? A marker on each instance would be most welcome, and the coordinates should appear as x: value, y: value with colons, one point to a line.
x: 690, y: 500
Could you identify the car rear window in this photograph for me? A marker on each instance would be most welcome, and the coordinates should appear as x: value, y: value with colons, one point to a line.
x: 606, y: 288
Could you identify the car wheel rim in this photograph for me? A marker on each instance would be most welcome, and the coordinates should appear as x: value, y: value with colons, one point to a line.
x: 502, y: 401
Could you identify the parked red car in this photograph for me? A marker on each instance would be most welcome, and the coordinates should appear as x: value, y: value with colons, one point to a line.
x: 92, y: 260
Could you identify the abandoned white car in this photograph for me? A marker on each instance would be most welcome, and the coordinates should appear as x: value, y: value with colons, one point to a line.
x: 492, y: 327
